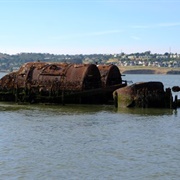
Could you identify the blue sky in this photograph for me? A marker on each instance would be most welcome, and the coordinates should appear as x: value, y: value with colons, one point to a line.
x: 89, y: 26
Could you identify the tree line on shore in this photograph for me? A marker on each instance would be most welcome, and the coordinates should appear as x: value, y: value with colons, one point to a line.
x: 10, y: 62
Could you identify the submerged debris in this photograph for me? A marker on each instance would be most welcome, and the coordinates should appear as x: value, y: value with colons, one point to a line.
x: 176, y: 88
x: 144, y: 94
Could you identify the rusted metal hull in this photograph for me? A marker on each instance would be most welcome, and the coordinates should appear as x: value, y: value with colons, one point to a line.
x: 145, y: 95
x: 59, y: 83
x: 110, y: 75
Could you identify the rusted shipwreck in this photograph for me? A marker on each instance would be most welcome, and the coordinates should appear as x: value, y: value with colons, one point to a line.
x: 61, y: 83
x: 145, y: 95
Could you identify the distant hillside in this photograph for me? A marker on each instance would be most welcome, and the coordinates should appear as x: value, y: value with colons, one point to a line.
x: 127, y: 65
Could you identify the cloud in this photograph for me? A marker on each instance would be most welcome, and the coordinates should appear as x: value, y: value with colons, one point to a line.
x: 141, y: 27
x: 102, y: 33
x: 159, y: 25
x: 135, y: 37
x: 169, y: 24
x: 89, y: 34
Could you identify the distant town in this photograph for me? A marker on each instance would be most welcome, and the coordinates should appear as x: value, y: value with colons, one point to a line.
x: 148, y: 59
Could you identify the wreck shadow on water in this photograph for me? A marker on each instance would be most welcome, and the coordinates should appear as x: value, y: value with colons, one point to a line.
x: 81, y: 109
x: 57, y: 108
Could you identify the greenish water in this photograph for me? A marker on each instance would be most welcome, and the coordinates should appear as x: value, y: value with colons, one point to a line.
x: 90, y: 141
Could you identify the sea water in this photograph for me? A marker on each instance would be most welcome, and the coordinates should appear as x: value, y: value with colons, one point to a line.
x: 90, y: 142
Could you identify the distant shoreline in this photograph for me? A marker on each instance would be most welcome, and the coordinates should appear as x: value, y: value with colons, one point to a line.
x: 139, y: 70
x: 4, y: 71
x: 148, y: 70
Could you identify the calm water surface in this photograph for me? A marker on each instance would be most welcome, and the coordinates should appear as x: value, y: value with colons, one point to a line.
x: 90, y: 142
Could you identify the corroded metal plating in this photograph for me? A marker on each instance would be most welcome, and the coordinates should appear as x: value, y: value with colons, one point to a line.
x: 58, y: 76
x: 59, y: 82
x: 110, y: 75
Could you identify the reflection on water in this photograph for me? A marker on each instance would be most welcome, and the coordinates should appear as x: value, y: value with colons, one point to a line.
x: 147, y: 111
x: 59, y: 109
x: 84, y: 109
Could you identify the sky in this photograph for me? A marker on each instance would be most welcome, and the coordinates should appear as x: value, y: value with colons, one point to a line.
x: 89, y: 26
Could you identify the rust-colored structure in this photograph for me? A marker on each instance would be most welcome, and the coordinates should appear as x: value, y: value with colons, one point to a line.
x: 60, y: 83
x: 145, y: 95
x: 110, y: 75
